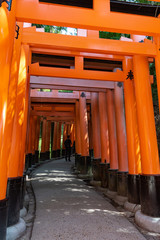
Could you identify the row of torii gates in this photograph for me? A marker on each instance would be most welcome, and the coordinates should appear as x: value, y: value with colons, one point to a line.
x: 118, y: 125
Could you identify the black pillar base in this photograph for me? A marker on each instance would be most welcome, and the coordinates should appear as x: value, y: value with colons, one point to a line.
x: 63, y: 152
x: 150, y: 195
x: 47, y: 155
x: 33, y: 159
x: 104, y: 167
x: 78, y: 164
x: 43, y: 156
x: 75, y: 159
x: 91, y: 152
x: 133, y: 189
x: 85, y: 164
x: 26, y: 162
x: 122, y: 183
x: 29, y: 160
x: 58, y: 154
x: 3, y: 218
x: 54, y: 153
x: 112, y: 180
x: 36, y: 156
x: 96, y: 169
x: 13, y: 194
x: 23, y: 190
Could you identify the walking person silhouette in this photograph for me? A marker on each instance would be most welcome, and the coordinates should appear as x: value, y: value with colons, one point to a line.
x: 67, y: 145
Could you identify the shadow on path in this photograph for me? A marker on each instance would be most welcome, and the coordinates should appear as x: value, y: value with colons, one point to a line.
x: 68, y: 209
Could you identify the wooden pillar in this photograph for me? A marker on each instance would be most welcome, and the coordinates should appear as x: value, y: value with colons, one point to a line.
x: 43, y: 145
x: 133, y: 142
x: 96, y: 137
x: 72, y: 133
x: 34, y: 134
x: 9, y: 57
x: 7, y: 26
x: 59, y: 130
x: 37, y: 140
x: 121, y: 141
x: 64, y: 138
x: 112, y: 184
x: 48, y: 139
x: 90, y: 137
x: 105, y: 157
x: 78, y: 130
x: 30, y: 135
x: 95, y: 126
x: 148, y: 140
x: 16, y: 163
x: 54, y: 147
x: 85, y: 159
x: 121, y: 128
x: 37, y: 133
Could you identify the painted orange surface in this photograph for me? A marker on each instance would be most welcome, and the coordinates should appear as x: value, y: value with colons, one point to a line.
x: 36, y: 70
x: 7, y: 28
x: 25, y: 123
x: 18, y: 140
x: 145, y: 114
x: 55, y: 136
x: 59, y: 135
x: 83, y: 126
x: 121, y: 129
x: 133, y: 142
x: 37, y: 134
x: 97, y: 19
x: 78, y: 130
x: 86, y: 44
x: 112, y: 130
x: 95, y: 125
x: 48, y: 135
x: 44, y: 135
x: 105, y: 156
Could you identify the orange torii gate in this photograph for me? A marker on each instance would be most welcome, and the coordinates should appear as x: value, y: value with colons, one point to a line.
x: 16, y: 67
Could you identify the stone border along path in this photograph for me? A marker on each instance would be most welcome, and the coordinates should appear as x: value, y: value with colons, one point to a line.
x: 68, y: 209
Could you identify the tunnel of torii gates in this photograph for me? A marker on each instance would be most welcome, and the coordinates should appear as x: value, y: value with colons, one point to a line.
x: 108, y: 113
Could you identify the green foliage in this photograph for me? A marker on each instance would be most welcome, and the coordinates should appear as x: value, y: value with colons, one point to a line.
x: 154, y: 85
x: 142, y: 1
x: 53, y: 29
x: 66, y: 91
x: 111, y: 35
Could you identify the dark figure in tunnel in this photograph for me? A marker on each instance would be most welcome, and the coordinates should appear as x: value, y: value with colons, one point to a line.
x: 67, y: 145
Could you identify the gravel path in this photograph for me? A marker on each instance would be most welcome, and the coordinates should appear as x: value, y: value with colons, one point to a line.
x: 67, y: 209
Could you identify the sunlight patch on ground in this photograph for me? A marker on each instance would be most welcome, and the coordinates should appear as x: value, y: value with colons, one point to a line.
x: 76, y: 190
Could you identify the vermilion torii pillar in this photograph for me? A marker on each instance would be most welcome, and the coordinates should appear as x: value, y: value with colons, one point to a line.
x: 59, y: 130
x: 37, y: 140
x: 90, y: 136
x: 9, y: 57
x: 33, y: 136
x: 85, y: 159
x: 133, y: 142
x: 105, y: 157
x: 43, y: 145
x: 150, y: 177
x: 29, y: 148
x: 112, y: 181
x: 7, y: 29
x: 78, y: 135
x: 54, y: 147
x: 16, y: 161
x: 48, y: 139
x: 96, y: 137
x: 121, y: 141
x: 64, y: 138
